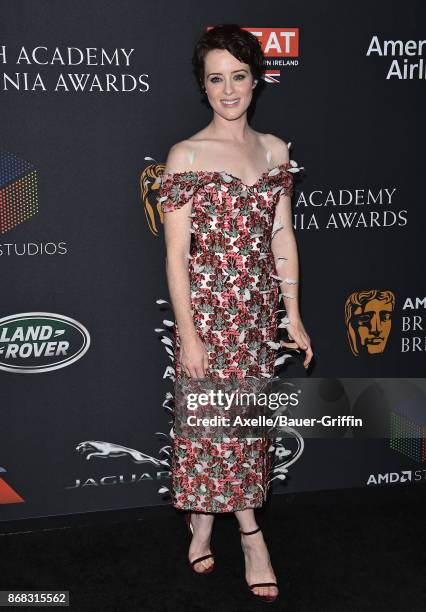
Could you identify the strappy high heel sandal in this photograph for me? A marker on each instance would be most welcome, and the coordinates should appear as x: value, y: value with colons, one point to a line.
x: 267, y: 598
x: 198, y: 559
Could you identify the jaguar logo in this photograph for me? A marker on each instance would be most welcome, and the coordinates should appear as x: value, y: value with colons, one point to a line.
x: 95, y: 448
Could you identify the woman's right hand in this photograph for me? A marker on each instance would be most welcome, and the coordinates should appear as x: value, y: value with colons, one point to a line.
x: 194, y: 357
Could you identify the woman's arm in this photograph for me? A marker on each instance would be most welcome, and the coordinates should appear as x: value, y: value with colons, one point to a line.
x: 177, y: 236
x: 284, y: 249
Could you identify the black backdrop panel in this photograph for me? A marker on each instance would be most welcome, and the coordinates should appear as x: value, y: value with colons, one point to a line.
x: 81, y: 139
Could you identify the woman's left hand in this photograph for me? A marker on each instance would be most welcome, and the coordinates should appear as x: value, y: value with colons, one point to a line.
x: 297, y: 333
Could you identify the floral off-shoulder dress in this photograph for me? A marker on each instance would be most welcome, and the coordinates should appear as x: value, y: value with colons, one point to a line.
x: 234, y: 300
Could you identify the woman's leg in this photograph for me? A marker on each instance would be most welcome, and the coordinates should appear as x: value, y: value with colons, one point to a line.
x: 202, y: 524
x: 258, y: 563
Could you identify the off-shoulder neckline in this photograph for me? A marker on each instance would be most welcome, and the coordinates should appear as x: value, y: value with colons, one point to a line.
x: 233, y: 177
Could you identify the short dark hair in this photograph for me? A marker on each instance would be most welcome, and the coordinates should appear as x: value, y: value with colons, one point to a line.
x: 241, y: 43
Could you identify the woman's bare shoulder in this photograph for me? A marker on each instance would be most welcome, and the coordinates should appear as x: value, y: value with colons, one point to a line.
x: 179, y: 157
x: 182, y: 154
x: 278, y: 146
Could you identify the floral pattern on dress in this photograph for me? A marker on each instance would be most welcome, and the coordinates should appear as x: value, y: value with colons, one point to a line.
x: 234, y: 300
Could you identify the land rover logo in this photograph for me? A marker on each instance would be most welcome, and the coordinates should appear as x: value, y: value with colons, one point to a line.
x: 32, y: 342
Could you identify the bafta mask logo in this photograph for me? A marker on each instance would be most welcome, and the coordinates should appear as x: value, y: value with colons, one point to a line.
x: 368, y: 320
x: 150, y: 183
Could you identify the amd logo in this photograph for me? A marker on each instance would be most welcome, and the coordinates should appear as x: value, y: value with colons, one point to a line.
x: 390, y: 477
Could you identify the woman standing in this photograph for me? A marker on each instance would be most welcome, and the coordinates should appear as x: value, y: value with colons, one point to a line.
x: 230, y: 249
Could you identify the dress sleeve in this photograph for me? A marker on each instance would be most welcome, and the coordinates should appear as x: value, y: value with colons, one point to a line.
x: 286, y: 180
x: 176, y: 189
x: 284, y: 177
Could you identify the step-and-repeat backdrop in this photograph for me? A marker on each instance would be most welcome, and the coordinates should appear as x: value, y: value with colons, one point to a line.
x: 93, y: 95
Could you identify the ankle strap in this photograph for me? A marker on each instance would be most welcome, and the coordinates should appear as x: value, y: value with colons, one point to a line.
x: 250, y: 532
